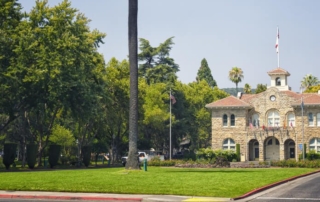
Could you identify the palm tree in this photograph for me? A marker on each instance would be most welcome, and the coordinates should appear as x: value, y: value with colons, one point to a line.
x: 132, y: 162
x: 247, y: 88
x: 236, y: 75
x: 309, y: 80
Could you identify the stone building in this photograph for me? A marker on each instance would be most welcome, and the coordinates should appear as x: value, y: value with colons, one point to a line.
x: 270, y: 125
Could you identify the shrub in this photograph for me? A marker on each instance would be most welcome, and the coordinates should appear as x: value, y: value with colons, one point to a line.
x: 86, y: 155
x: 31, y: 155
x: 9, y: 155
x: 54, y: 154
x: 205, y: 153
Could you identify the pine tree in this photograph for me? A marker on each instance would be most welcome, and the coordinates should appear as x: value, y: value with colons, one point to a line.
x: 204, y: 73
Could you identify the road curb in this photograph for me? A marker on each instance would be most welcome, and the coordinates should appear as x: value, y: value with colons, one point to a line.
x: 94, y: 198
x: 272, y: 185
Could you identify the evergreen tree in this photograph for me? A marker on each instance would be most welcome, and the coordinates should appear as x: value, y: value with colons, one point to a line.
x: 204, y: 73
x: 157, y: 66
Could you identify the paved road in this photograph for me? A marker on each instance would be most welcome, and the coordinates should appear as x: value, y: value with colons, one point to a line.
x: 304, y: 189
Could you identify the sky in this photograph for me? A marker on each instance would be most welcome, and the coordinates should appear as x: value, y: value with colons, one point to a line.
x: 227, y: 33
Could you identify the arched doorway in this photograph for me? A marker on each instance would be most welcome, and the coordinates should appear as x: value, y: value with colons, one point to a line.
x: 289, y: 149
x: 253, y: 150
x: 272, y: 149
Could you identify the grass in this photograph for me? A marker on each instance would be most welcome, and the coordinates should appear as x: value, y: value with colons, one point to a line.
x: 176, y: 181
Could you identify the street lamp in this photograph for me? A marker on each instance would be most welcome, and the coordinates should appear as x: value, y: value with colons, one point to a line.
x: 302, y: 106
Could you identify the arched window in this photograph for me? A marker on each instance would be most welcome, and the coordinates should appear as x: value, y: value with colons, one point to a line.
x: 318, y: 119
x: 255, y: 120
x: 314, y: 144
x: 310, y: 119
x: 273, y: 118
x: 278, y: 81
x: 291, y: 120
x: 229, y: 144
x: 225, y: 120
x: 232, y: 120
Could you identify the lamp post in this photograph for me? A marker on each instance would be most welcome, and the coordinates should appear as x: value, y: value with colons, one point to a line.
x: 302, y: 106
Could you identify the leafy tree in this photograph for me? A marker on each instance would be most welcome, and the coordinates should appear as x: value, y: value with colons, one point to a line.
x: 261, y: 88
x: 56, y: 66
x: 10, y: 103
x: 197, y: 95
x: 204, y: 73
x: 157, y: 66
x: 309, y: 80
x: 64, y: 137
x: 116, y: 123
x: 247, y: 88
x: 236, y: 76
x: 133, y: 60
x: 156, y: 115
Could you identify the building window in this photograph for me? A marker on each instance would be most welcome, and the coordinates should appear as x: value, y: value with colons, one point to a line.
x: 273, y: 118
x: 225, y: 120
x: 315, y: 144
x: 229, y: 144
x: 318, y: 119
x: 232, y: 120
x: 291, y: 120
x: 310, y: 119
x: 255, y: 120
x: 269, y: 142
x: 278, y: 81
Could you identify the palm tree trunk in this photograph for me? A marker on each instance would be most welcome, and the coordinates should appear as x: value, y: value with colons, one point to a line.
x: 132, y: 162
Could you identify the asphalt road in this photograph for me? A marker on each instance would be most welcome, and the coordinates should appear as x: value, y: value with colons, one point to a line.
x: 303, y: 189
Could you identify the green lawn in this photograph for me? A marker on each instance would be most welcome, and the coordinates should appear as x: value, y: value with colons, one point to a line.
x: 177, y: 181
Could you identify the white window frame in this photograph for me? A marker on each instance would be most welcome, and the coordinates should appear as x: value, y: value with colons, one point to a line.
x: 318, y: 119
x: 234, y: 120
x: 223, y: 120
x: 314, y: 144
x: 255, y: 120
x: 229, y: 144
x: 291, y: 119
x: 310, y: 119
x: 273, y: 118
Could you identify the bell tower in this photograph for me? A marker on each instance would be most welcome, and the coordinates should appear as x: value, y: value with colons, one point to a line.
x: 279, y: 79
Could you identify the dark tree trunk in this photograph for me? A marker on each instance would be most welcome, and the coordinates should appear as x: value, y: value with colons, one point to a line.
x: 132, y: 162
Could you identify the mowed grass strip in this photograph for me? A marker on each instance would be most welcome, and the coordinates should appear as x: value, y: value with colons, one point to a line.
x: 176, y: 181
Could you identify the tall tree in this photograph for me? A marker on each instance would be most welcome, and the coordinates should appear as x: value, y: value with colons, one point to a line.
x: 56, y: 66
x: 260, y: 88
x: 309, y: 80
x: 204, y: 73
x: 132, y: 162
x: 247, y: 88
x: 157, y: 66
x: 236, y: 75
x: 10, y: 103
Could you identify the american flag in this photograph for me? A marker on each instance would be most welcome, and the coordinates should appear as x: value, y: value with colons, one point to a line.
x: 277, y: 41
x: 173, y: 99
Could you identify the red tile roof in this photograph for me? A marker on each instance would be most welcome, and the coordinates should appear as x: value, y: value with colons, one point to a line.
x: 279, y: 71
x: 308, y: 99
x: 245, y: 100
x: 230, y: 101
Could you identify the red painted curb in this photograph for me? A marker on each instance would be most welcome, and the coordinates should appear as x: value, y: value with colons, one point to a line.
x: 272, y: 185
x: 94, y: 198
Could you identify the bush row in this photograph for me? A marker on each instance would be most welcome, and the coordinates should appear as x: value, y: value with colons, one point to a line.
x: 299, y: 164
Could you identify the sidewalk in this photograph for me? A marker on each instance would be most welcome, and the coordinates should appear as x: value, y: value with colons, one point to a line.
x: 103, y: 197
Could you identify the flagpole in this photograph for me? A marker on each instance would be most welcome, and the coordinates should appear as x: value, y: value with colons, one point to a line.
x: 278, y: 52
x: 302, y: 106
x: 170, y: 123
